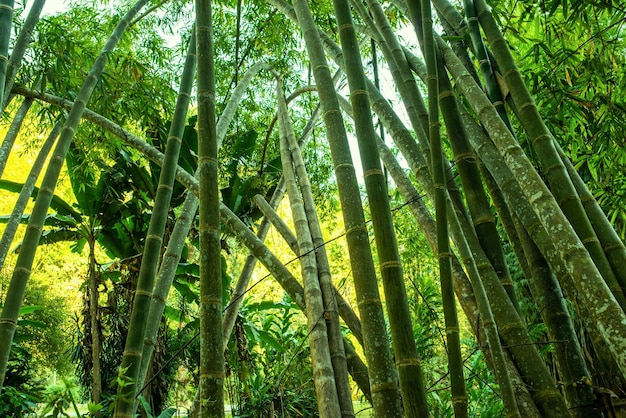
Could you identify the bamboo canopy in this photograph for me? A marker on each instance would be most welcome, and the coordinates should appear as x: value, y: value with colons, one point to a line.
x: 519, y: 240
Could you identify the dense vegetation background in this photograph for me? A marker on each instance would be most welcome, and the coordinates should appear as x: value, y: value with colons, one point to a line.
x: 120, y: 284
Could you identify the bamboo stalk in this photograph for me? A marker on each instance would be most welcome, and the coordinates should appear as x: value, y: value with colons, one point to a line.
x: 21, y: 43
x: 324, y: 378
x: 331, y: 314
x: 444, y: 253
x: 211, y: 334
x: 6, y: 20
x: 18, y: 209
x: 383, y: 382
x: 407, y: 361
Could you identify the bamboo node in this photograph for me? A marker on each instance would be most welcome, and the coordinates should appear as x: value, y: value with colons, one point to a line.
x: 465, y: 156
x: 483, y: 219
x: 590, y: 240
x: 390, y: 264
x: 8, y: 321
x: 570, y: 197
x: 383, y: 387
x: 141, y: 292
x: 613, y: 246
x: 373, y: 172
x: 446, y: 93
x: 575, y: 253
x: 358, y: 92
x: 408, y: 362
x: 525, y: 105
x: 369, y: 301
x: 344, y: 165
x: 22, y: 270
x: 154, y: 237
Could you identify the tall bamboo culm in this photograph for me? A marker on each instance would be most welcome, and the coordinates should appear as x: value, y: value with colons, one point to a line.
x: 324, y: 379
x: 444, y: 254
x: 211, y: 334
x: 331, y: 313
x: 382, y: 373
x: 588, y: 281
x: 21, y: 44
x: 6, y: 21
x: 407, y: 360
x: 132, y: 358
x: 21, y: 273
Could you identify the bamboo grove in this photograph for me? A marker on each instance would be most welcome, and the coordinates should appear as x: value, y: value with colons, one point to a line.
x: 468, y: 152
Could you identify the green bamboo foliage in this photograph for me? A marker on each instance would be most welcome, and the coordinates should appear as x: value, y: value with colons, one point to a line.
x: 25, y: 193
x: 6, y: 20
x: 444, y: 254
x: 211, y: 336
x: 21, y: 273
x: 132, y: 359
x: 13, y: 131
x: 385, y: 395
x: 21, y: 43
x: 324, y: 380
x: 612, y: 245
x: 407, y: 361
x: 589, y: 283
x: 544, y: 145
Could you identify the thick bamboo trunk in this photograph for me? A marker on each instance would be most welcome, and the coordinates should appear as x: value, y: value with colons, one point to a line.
x: 211, y: 334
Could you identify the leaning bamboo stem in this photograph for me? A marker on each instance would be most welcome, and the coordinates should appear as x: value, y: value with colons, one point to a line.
x: 277, y: 222
x: 6, y: 20
x: 331, y: 314
x: 544, y: 145
x: 482, y: 219
x: 462, y: 285
x: 611, y: 243
x: 324, y: 381
x: 131, y: 361
x: 589, y: 283
x: 21, y: 274
x: 21, y: 43
x: 12, y: 132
